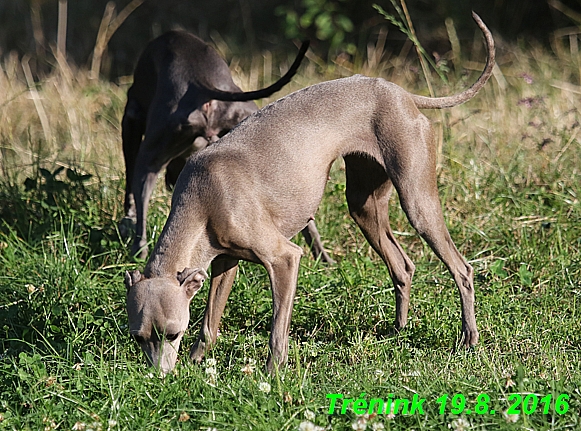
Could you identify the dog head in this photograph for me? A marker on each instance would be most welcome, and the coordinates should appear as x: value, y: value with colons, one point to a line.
x: 159, y: 312
x: 221, y: 117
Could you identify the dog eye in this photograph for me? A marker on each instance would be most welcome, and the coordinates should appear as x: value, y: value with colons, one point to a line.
x: 171, y: 337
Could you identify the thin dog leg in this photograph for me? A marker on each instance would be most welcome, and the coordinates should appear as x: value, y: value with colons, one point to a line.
x: 143, y: 187
x: 418, y: 194
x: 313, y: 239
x: 368, y: 192
x: 428, y: 220
x: 282, y: 264
x: 223, y: 275
x: 132, y: 133
x: 150, y: 161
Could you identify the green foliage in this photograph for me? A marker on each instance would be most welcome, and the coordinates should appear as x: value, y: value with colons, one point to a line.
x: 67, y: 360
x: 47, y: 202
x: 48, y: 188
x: 497, y: 269
x: 327, y: 19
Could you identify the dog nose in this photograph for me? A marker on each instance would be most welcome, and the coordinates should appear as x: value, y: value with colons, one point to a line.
x: 162, y: 369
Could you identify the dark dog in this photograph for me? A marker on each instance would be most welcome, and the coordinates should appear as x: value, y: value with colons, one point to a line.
x: 244, y: 197
x: 182, y: 98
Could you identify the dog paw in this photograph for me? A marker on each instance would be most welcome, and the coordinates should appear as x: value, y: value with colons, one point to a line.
x: 126, y: 228
x: 470, y: 337
x: 197, y: 352
x: 275, y: 364
x: 327, y: 259
x: 392, y: 331
x: 139, y: 250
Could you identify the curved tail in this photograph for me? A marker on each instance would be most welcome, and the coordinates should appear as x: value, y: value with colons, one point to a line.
x: 228, y: 96
x: 423, y: 102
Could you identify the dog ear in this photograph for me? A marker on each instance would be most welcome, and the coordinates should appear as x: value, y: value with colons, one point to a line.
x: 131, y: 278
x: 191, y: 280
x: 208, y: 107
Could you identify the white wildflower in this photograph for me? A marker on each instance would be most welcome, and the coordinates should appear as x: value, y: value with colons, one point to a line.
x: 212, y: 374
x: 460, y: 424
x: 264, y: 387
x: 309, y: 426
x: 360, y: 424
x: 248, y: 369
x: 49, y: 424
x: 391, y: 414
x: 513, y: 418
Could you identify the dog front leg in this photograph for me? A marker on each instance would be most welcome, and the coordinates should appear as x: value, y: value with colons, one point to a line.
x: 283, y: 269
x: 223, y: 274
x: 133, y: 128
x: 142, y: 188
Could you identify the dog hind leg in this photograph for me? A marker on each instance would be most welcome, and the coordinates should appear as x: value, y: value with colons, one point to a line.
x: 313, y: 239
x: 418, y: 193
x: 368, y: 192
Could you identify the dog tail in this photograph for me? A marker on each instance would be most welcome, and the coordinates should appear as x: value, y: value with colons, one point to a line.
x: 423, y: 102
x: 228, y: 96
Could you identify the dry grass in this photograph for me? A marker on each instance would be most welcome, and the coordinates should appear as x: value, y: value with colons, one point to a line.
x: 530, y: 106
x: 522, y: 128
x: 65, y: 119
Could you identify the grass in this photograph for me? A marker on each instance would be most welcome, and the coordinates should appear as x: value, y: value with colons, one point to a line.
x: 509, y: 183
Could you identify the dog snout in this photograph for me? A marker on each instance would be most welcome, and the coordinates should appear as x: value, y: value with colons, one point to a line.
x: 162, y: 357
